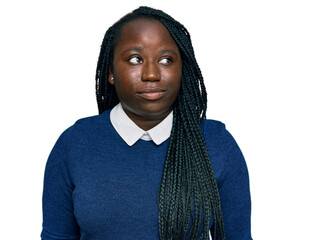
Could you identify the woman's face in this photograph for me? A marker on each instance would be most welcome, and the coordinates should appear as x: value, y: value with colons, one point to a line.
x: 146, y: 69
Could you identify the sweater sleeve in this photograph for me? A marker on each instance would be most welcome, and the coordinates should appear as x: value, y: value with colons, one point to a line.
x: 234, y: 192
x: 59, y: 221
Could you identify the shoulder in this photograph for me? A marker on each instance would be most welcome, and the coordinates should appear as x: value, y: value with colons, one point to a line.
x: 213, y: 127
x: 86, y: 128
x: 87, y: 137
x: 216, y: 134
x: 93, y: 122
x: 225, y: 155
x: 215, y: 131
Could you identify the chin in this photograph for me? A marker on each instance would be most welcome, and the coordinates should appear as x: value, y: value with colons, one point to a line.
x: 153, y: 112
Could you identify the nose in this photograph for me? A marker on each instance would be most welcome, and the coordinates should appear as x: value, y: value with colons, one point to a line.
x: 151, y: 72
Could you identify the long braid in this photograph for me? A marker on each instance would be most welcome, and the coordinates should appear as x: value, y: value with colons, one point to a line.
x: 188, y: 194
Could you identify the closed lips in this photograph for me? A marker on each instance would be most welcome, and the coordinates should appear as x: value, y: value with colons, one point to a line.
x: 152, y: 94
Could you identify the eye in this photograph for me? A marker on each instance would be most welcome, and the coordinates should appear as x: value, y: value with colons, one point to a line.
x: 165, y: 61
x: 135, y: 60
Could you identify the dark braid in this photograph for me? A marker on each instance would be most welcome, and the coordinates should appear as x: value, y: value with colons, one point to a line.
x: 188, y: 194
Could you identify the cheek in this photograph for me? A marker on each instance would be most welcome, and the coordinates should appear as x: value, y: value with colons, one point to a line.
x: 175, y: 79
x: 128, y: 78
x: 174, y: 75
x: 125, y: 84
x: 174, y: 84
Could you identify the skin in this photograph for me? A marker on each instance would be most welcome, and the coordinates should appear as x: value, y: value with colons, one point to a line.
x: 146, y: 71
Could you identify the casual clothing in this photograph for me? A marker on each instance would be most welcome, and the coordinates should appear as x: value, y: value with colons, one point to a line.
x: 97, y: 187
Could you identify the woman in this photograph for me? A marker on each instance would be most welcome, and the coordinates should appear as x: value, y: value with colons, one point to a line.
x: 145, y: 167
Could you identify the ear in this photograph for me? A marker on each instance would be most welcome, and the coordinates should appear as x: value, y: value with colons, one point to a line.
x: 110, y: 76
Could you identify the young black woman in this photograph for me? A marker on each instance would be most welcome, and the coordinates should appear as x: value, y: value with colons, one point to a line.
x: 149, y: 166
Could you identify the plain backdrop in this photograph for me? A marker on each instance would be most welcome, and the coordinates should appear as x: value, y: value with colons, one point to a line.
x: 262, y: 64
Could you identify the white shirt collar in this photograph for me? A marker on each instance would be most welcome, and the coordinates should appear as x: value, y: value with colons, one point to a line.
x: 131, y: 133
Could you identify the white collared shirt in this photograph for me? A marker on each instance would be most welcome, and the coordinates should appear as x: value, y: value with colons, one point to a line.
x: 131, y: 133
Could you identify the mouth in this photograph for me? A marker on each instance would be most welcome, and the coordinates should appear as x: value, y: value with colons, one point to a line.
x: 151, y: 94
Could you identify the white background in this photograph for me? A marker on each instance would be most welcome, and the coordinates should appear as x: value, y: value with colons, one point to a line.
x: 262, y: 63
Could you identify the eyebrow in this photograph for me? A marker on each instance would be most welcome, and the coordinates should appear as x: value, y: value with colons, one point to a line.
x: 133, y: 49
x: 163, y: 51
x: 168, y: 51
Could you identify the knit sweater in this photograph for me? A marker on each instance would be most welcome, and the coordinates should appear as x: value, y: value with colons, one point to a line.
x: 96, y: 187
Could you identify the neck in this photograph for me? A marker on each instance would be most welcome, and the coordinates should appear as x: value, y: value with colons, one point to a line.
x: 147, y: 122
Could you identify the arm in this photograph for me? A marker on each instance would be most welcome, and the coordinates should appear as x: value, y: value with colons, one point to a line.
x: 234, y: 192
x: 59, y: 221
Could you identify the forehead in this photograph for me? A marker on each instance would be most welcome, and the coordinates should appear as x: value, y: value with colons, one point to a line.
x: 145, y: 30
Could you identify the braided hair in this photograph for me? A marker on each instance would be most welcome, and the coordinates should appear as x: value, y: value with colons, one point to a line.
x: 188, y: 194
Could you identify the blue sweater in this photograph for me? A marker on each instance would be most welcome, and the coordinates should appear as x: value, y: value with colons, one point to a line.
x: 96, y: 187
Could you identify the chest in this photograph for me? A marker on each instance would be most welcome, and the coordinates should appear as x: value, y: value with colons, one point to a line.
x: 117, y: 190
